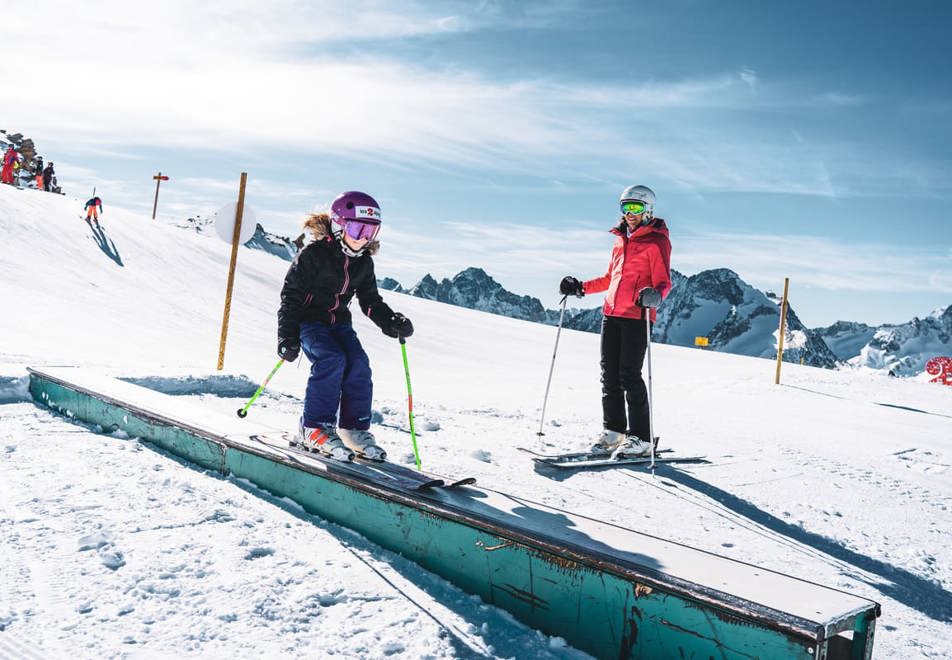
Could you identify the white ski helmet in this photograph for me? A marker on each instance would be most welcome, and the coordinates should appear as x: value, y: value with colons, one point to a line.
x: 640, y: 194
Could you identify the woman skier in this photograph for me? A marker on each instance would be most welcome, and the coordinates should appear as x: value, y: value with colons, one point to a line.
x: 314, y: 317
x: 637, y: 280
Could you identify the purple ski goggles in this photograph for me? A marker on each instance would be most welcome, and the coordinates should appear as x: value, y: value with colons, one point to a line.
x: 360, y: 231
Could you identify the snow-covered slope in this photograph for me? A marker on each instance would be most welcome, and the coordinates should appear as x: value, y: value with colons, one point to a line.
x: 840, y: 477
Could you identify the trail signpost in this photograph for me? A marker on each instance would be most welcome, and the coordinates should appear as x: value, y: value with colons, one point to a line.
x: 159, y: 178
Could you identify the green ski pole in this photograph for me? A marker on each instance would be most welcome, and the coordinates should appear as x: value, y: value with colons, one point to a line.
x: 243, y: 412
x: 406, y: 369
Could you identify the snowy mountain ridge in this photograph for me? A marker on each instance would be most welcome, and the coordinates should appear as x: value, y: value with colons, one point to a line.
x: 717, y: 304
x: 904, y: 350
x: 280, y: 246
x: 736, y: 318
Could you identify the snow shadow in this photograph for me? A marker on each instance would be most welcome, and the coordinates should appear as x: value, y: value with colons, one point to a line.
x: 561, y: 474
x: 917, y: 592
x: 807, y: 389
x: 225, y: 386
x: 916, y: 410
x: 559, y: 525
x: 105, y: 243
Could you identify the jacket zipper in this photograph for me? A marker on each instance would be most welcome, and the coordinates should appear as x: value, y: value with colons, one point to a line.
x: 342, y: 290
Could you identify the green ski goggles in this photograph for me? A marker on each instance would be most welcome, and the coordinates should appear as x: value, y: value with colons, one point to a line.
x: 633, y: 208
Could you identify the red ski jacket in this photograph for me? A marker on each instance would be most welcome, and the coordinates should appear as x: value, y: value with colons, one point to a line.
x: 640, y: 260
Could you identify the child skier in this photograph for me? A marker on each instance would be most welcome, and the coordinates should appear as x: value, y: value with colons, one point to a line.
x: 93, y: 209
x: 638, y: 278
x: 314, y: 317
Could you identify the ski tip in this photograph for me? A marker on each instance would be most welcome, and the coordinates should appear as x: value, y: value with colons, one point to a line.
x: 468, y: 481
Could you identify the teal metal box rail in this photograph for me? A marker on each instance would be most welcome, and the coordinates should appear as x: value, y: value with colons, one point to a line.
x: 608, y: 591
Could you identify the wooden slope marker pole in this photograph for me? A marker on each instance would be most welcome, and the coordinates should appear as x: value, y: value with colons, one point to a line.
x: 231, y: 270
x: 783, y: 327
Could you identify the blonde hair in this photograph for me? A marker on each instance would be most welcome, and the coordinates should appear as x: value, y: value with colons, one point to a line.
x: 318, y: 225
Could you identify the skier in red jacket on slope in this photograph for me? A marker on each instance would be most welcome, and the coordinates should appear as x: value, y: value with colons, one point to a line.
x: 637, y: 280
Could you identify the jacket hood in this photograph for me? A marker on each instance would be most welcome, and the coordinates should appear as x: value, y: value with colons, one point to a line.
x: 318, y: 225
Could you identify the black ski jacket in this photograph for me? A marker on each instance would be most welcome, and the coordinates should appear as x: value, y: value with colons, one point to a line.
x: 320, y: 284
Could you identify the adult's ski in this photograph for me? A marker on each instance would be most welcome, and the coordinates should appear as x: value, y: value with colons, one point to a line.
x: 578, y: 460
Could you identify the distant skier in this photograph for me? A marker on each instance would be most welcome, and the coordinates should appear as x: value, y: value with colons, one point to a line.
x: 314, y: 316
x: 93, y: 209
x: 638, y: 278
x: 9, y: 161
x: 38, y: 172
x: 48, y: 175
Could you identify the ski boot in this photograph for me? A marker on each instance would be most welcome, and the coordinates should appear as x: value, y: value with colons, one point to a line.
x: 364, y: 443
x: 607, y: 443
x: 634, y: 447
x: 324, y: 440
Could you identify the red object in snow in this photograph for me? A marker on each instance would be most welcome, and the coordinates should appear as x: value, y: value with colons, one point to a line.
x: 941, y: 368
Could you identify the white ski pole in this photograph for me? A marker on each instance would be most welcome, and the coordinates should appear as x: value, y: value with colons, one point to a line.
x: 552, y: 366
x: 647, y: 312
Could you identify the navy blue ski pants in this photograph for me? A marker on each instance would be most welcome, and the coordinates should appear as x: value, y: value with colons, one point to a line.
x: 340, y: 377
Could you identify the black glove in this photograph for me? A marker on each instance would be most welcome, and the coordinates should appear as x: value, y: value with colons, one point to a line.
x: 289, y: 349
x: 399, y: 326
x: 649, y: 297
x: 571, y: 287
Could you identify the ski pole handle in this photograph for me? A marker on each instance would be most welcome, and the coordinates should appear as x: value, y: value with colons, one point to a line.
x: 406, y: 369
x: 243, y: 412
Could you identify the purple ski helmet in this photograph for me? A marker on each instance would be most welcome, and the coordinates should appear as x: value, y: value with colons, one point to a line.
x: 356, y: 212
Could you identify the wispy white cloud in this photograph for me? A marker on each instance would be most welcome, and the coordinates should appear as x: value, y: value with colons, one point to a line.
x: 80, y: 179
x: 838, y: 98
x: 818, y: 261
x: 250, y: 78
x: 235, y: 77
x: 749, y: 76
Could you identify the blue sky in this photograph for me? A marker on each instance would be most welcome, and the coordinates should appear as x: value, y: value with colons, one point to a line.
x: 808, y: 139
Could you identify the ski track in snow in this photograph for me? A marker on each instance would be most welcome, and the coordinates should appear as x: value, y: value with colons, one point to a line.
x: 114, y: 548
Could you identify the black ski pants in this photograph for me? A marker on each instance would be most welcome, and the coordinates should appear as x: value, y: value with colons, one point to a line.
x: 624, y: 342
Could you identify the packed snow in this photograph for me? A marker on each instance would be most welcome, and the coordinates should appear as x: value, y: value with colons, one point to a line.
x: 109, y: 547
